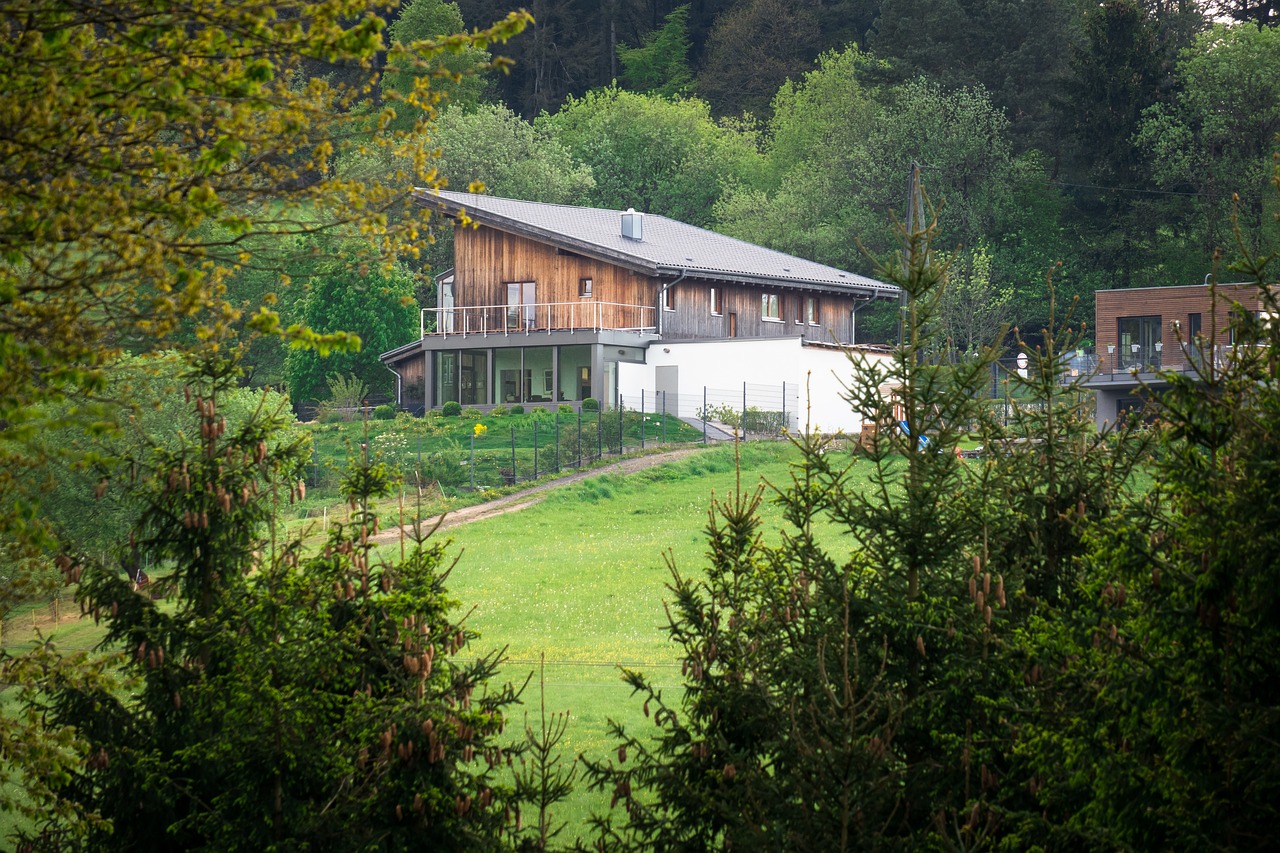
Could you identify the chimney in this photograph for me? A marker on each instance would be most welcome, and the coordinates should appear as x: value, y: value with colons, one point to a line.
x: 633, y: 224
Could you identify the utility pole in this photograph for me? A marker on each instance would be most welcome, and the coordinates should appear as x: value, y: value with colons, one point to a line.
x: 912, y: 223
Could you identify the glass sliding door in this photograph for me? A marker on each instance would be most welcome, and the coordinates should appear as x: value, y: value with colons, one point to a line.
x: 446, y: 377
x: 530, y: 302
x: 575, y: 372
x: 508, y: 367
x: 1140, y: 343
x: 539, y: 375
x: 474, y: 378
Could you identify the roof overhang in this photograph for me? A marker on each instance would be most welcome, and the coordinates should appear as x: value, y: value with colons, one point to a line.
x: 850, y: 289
x: 457, y: 210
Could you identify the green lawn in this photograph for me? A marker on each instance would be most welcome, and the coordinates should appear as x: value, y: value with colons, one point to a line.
x: 580, y: 578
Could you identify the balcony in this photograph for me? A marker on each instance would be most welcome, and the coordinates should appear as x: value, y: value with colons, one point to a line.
x: 536, y: 318
x: 1139, y: 358
x: 1124, y: 363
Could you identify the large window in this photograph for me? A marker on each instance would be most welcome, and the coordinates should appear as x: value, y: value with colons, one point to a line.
x: 539, y: 376
x: 811, y: 310
x: 446, y: 377
x: 473, y: 376
x: 770, y: 306
x: 508, y: 366
x: 413, y: 382
x: 521, y: 299
x: 462, y: 376
x: 717, y: 301
x: 575, y: 372
x: 1194, y: 343
x: 1140, y: 343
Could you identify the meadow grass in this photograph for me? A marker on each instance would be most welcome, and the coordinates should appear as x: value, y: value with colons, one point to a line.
x: 580, y: 579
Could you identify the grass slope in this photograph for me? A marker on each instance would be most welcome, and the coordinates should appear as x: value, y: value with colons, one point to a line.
x: 580, y: 578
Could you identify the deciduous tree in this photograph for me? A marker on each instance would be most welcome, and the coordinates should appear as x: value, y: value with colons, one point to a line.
x: 656, y: 155
x: 376, y: 306
x: 1217, y: 136
x: 147, y: 145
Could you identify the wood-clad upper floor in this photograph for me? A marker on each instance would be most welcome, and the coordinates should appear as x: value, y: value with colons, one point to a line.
x: 1152, y: 328
x: 506, y: 281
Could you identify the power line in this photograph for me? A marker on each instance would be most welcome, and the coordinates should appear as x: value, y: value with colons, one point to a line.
x: 953, y: 170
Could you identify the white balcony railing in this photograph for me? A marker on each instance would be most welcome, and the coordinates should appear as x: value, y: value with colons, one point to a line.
x: 540, y: 317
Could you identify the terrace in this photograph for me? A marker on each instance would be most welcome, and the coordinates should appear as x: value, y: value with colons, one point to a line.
x: 1121, y: 363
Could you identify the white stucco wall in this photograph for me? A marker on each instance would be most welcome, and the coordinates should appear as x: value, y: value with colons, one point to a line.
x: 725, y: 365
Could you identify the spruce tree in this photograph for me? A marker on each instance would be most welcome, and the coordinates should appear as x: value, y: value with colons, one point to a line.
x: 277, y: 697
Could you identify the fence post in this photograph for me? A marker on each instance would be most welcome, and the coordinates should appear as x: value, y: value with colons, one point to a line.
x: 579, y: 437
x: 784, y: 404
x: 704, y: 414
x: 620, y: 423
x: 535, y: 447
x: 664, y: 417
x: 557, y: 417
x: 641, y: 424
x: 599, y: 434
x: 473, y: 461
x: 744, y: 410
x: 513, y: 454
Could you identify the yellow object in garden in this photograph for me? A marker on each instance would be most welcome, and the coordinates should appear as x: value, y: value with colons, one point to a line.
x: 480, y: 429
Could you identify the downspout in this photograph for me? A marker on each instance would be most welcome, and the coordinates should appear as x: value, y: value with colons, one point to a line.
x: 683, y: 275
x: 399, y: 382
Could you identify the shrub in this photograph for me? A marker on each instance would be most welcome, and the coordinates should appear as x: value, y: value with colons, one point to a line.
x: 538, y: 410
x: 721, y: 414
x: 755, y: 420
x: 499, y: 410
x: 347, y: 391
x: 451, y: 409
x: 566, y: 409
x: 385, y: 412
x: 470, y: 413
x: 591, y: 404
x: 517, y: 409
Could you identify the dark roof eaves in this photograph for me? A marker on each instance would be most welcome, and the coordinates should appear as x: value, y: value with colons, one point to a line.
x: 876, y: 290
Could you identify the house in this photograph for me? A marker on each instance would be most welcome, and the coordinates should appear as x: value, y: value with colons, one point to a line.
x: 550, y: 304
x: 1144, y: 331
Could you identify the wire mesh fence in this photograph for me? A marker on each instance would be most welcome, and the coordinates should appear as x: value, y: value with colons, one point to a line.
x: 751, y: 410
x: 493, y: 452
x: 23, y: 623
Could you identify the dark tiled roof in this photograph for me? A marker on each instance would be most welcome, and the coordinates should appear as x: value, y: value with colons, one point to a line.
x: 668, y: 248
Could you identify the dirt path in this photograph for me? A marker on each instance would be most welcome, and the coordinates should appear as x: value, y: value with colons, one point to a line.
x: 526, y: 498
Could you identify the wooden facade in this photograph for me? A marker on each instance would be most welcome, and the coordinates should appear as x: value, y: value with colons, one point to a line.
x: 692, y: 314
x: 1156, y: 327
x: 489, y: 263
